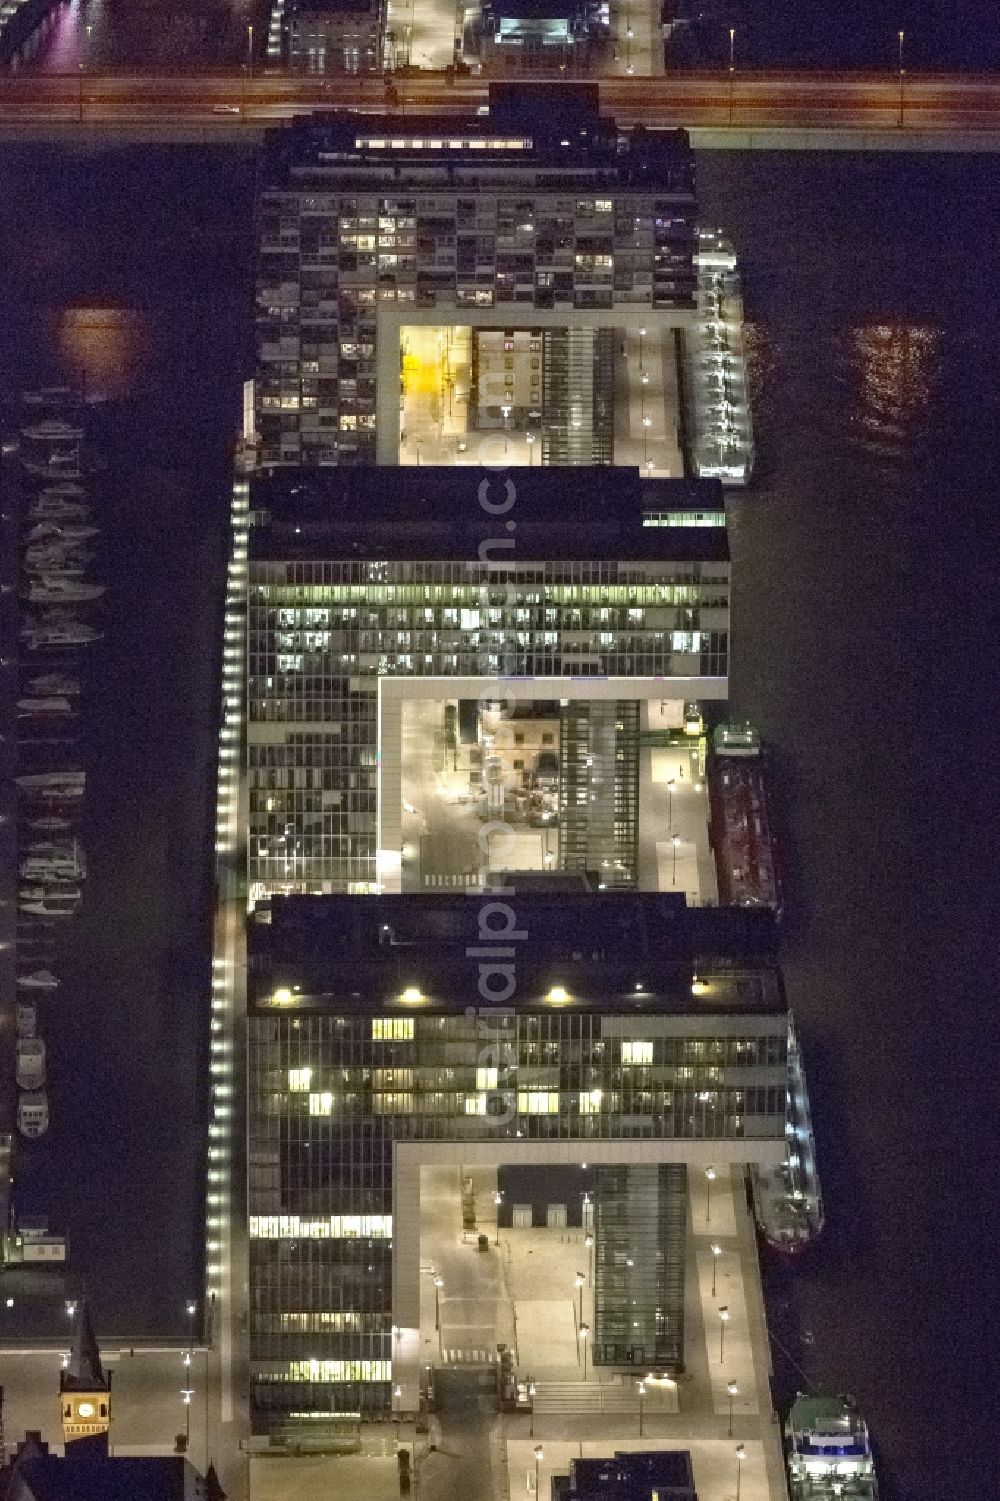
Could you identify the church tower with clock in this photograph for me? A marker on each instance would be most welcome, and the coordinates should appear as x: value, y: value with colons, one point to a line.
x: 85, y: 1392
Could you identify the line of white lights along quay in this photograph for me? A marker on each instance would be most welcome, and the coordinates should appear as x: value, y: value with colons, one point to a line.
x: 226, y: 963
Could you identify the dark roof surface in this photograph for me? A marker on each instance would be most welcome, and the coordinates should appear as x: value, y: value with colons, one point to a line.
x: 563, y: 121
x: 305, y: 9
x: 535, y: 10
x: 360, y: 955
x: 84, y: 1372
x: 423, y: 513
x: 665, y: 1474
x: 49, y: 1478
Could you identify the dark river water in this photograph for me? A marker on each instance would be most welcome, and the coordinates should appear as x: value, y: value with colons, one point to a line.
x: 863, y: 647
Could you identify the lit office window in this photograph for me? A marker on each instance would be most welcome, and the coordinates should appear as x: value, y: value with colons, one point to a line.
x: 486, y: 1078
x: 330, y: 1227
x: 392, y: 1029
x: 334, y: 1370
x: 637, y: 1052
x: 299, y: 1080
x: 538, y: 1101
x: 321, y: 1104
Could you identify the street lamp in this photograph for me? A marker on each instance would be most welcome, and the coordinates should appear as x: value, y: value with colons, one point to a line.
x: 723, y: 1321
x: 530, y: 440
x: 901, y: 35
x: 250, y: 49
x: 438, y: 1284
x: 642, y: 1398
x: 732, y: 69
x: 709, y: 1180
x: 584, y: 1331
x: 731, y: 1389
x: 397, y: 1392
x: 539, y: 1456
x: 716, y: 1253
x: 498, y: 1200
x: 580, y: 1280
x: 741, y: 1455
x: 588, y: 1241
x: 532, y: 1388
x: 671, y: 788
x: 187, y: 1392
x: 675, y: 841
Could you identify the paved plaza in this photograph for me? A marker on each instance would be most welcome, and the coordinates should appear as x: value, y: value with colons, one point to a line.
x: 523, y: 1292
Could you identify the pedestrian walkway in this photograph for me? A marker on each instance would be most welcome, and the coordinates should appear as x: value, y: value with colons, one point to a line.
x: 673, y: 804
x: 712, y: 1212
x: 637, y: 35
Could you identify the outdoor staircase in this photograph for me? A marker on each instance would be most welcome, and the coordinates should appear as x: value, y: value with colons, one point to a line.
x: 585, y: 1396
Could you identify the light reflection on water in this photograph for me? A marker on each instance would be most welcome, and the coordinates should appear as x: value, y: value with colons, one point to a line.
x: 894, y: 372
x: 104, y: 350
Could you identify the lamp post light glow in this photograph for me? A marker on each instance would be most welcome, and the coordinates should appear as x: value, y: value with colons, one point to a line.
x: 731, y: 1389
x: 741, y: 1455
x: 498, y: 1200
x: 723, y: 1321
x: 250, y: 48
x: 716, y: 1253
x: 438, y: 1284
x: 539, y: 1456
x: 674, y: 841
x: 671, y: 788
x: 901, y: 35
x: 709, y: 1180
x: 584, y: 1331
x: 732, y: 69
x: 642, y: 1398
x: 588, y: 1241
x: 580, y: 1280
x: 397, y: 1393
x: 530, y: 440
x: 187, y: 1392
x: 531, y: 1398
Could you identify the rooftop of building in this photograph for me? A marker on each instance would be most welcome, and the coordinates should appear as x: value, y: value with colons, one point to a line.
x: 92, y: 1475
x: 529, y: 124
x: 609, y: 951
x: 304, y: 10
x: 663, y: 1474
x: 421, y: 513
x: 535, y: 10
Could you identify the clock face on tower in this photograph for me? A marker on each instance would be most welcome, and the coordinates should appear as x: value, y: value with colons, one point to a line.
x: 85, y: 1409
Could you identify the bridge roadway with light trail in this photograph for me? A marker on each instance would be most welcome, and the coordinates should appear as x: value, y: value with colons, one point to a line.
x: 758, y: 111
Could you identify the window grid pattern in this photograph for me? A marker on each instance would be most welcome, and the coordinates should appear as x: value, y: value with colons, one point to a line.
x: 320, y: 1189
x: 320, y: 634
x: 326, y: 259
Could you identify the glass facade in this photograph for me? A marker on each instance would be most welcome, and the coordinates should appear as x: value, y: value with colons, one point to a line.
x: 321, y: 634
x: 478, y: 220
x: 320, y: 1175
